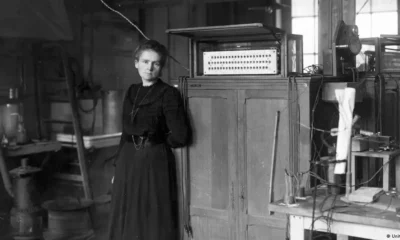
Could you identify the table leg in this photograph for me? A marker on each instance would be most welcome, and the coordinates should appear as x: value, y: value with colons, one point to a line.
x: 353, y: 170
x: 296, y: 228
x: 365, y: 170
x: 385, y: 162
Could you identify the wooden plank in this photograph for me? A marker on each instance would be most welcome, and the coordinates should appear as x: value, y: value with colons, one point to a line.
x: 377, y: 154
x: 324, y: 30
x: 155, y: 23
x: 178, y: 46
x: 209, y: 213
x: 271, y: 222
x: 77, y: 126
x: 212, y: 161
x: 220, y: 164
x: 258, y: 145
x: 199, y: 153
x: 257, y: 232
x: 242, y: 165
x: 349, y: 12
x: 32, y: 148
x: 208, y: 228
x: 256, y: 123
x: 68, y: 177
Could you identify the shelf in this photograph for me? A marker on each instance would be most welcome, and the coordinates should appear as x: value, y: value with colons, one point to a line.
x: 251, y: 29
x: 33, y: 148
x: 68, y: 177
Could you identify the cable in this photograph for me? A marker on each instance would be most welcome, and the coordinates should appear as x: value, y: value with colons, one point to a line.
x: 366, y: 1
x: 343, y: 186
x: 140, y: 31
x: 123, y: 16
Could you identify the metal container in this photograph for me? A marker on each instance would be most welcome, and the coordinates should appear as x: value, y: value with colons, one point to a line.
x: 9, y: 118
x: 68, y: 219
x: 112, y: 111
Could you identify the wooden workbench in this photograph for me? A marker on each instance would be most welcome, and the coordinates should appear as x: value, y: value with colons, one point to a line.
x: 32, y: 148
x: 370, y: 221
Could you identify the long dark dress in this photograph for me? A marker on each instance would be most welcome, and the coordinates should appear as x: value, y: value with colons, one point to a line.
x: 143, y: 205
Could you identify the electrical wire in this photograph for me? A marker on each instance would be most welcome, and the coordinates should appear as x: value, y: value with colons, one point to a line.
x: 140, y: 31
x: 343, y: 186
x: 365, y: 3
x: 127, y: 19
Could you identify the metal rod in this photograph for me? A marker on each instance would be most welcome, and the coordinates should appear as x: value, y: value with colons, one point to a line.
x: 273, y: 159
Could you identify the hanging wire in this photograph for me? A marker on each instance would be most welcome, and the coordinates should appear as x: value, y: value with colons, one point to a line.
x: 365, y: 3
x: 123, y: 16
x: 140, y: 31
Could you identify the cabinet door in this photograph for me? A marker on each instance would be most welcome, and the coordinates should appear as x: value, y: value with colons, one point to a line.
x: 257, y: 112
x: 212, y: 163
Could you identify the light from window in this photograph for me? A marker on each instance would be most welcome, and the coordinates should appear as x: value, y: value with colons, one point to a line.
x: 376, y: 17
x: 305, y: 22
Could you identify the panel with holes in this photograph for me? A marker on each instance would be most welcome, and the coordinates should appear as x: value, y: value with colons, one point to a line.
x: 245, y: 62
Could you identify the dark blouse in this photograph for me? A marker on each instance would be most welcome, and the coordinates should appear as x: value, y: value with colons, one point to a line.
x: 155, y: 111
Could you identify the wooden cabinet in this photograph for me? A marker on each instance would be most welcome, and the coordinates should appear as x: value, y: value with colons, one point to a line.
x: 212, y: 160
x: 256, y: 123
x: 228, y: 173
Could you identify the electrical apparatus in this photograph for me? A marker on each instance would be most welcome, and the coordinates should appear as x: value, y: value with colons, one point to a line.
x: 341, y: 58
x: 379, y: 55
x: 241, y: 62
x: 243, y: 49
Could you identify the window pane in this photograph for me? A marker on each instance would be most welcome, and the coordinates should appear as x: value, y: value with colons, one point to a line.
x: 308, y: 60
x: 316, y: 35
x: 360, y: 7
x: 316, y: 7
x: 363, y: 22
x: 384, y: 23
x: 384, y: 5
x: 302, y: 26
x: 303, y: 8
x: 362, y: 59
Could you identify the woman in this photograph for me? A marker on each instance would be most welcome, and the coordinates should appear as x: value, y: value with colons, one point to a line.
x: 143, y: 203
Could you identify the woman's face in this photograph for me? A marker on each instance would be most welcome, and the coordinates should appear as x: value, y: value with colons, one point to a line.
x: 148, y: 65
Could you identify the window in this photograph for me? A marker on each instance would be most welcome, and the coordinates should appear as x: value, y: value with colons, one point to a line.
x: 305, y: 22
x: 376, y: 17
x: 373, y: 18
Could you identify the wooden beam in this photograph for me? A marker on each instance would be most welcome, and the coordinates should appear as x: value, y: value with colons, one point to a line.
x: 349, y: 12
x: 329, y: 14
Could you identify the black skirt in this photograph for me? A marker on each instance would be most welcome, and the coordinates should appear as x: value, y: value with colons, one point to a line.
x: 144, y: 195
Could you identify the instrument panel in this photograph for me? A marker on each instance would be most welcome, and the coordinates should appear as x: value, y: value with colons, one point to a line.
x: 242, y: 62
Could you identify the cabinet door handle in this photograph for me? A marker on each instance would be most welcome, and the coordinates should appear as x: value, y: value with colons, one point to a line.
x: 195, y: 85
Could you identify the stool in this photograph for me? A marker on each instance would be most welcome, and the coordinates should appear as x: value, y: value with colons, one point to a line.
x: 386, y: 156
